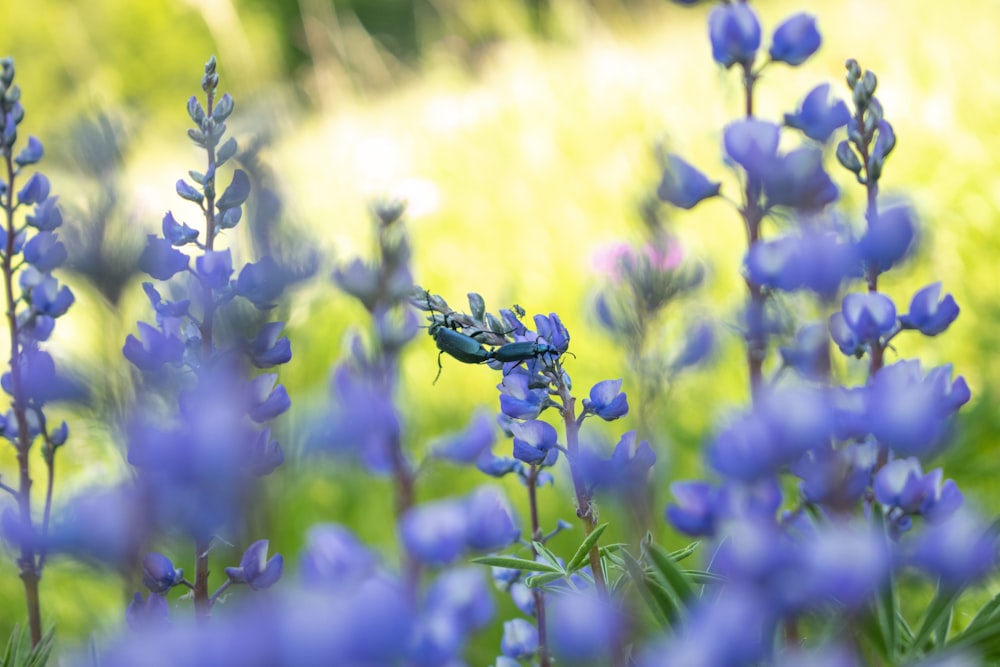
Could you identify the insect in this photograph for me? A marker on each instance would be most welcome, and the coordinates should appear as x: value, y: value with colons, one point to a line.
x: 464, y: 348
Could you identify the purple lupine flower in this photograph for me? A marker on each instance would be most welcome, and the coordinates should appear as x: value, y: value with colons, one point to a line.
x: 520, y: 639
x: 865, y: 318
x: 752, y: 144
x: 889, y: 238
x: 816, y: 260
x: 30, y: 154
x: 818, y: 118
x: 535, y: 442
x: 468, y: 446
x: 784, y: 425
x: 153, y: 349
x: 435, y: 532
x: 261, y: 283
x: 264, y: 455
x: 552, y: 330
x: 809, y: 353
x: 266, y: 349
x: 214, y: 267
x: 910, y: 412
x: 607, y: 401
x: 461, y: 598
x: 178, y: 233
x: 840, y: 563
x: 836, y: 478
x: 734, y: 32
x: 160, y: 259
x: 267, y: 401
x: 153, y: 613
x: 518, y: 398
x: 929, y: 315
x: 46, y: 216
x: 850, y: 413
x: 631, y: 460
x: 255, y: 569
x: 959, y: 551
x: 583, y: 627
x: 45, y: 252
x: 334, y: 556
x: 684, y: 186
x: 164, y: 308
x: 902, y: 486
x: 35, y: 190
x: 695, y: 511
x: 797, y: 179
x: 795, y: 40
x: 159, y: 574
x: 491, y: 525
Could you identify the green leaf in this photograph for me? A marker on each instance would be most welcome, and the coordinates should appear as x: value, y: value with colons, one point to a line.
x: 539, y: 580
x: 938, y: 613
x: 664, y: 607
x: 547, y: 554
x: 701, y: 577
x: 681, y: 554
x: 583, y: 551
x: 675, y: 580
x: 985, y: 614
x: 514, y: 563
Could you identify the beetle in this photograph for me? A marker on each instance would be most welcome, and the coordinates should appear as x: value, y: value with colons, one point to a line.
x: 522, y: 351
x: 464, y: 348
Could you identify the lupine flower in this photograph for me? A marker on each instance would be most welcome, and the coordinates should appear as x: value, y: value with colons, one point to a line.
x: 910, y: 412
x: 694, y: 513
x: 535, y: 442
x: 836, y: 478
x: 699, y: 345
x: 520, y: 639
x: 795, y: 40
x: 958, y: 551
x: 261, y: 283
x: 865, y: 319
x: 333, y: 555
x: 266, y: 350
x: 160, y: 259
x: 435, y: 532
x: 178, y: 233
x: 844, y: 564
x: 902, y: 486
x: 607, y: 401
x: 927, y: 314
x: 491, y: 525
x: 153, y: 350
x: 734, y: 32
x: 889, y: 238
x: 152, y: 613
x: 684, y: 186
x: 518, y: 399
x: 797, y: 179
x: 809, y: 353
x: 827, y: 655
x: 582, y: 627
x: 469, y: 445
x: 818, y: 118
x: 816, y: 260
x: 255, y: 569
x: 850, y: 413
x: 159, y: 574
x: 752, y: 144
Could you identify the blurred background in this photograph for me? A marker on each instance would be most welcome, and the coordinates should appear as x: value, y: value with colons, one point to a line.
x: 523, y: 134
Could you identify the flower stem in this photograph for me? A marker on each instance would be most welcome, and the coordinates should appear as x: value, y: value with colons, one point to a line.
x: 536, y: 535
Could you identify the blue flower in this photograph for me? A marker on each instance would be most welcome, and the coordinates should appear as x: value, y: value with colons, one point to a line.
x: 684, y: 186
x: 929, y: 315
x: 902, y: 486
x: 534, y: 442
x: 214, y: 268
x: 695, y: 511
x: 518, y: 398
x: 160, y: 259
x: 153, y: 350
x: 795, y: 40
x: 607, y: 401
x: 582, y: 627
x: 333, y: 556
x: 865, y: 318
x: 959, y: 551
x: 35, y: 190
x: 817, y: 118
x: 159, y: 574
x: 797, y: 179
x: 255, y: 569
x: 267, y: 350
x: 468, y: 446
x: 889, y: 238
x: 435, y: 532
x: 261, y: 284
x: 752, y: 144
x: 45, y: 251
x: 177, y: 233
x: 734, y: 32
x: 520, y: 639
x: 46, y: 216
x: 491, y: 523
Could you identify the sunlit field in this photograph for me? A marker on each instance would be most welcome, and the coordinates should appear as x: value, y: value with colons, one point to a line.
x: 520, y: 159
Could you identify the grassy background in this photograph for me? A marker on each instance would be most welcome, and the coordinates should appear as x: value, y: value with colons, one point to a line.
x: 524, y: 146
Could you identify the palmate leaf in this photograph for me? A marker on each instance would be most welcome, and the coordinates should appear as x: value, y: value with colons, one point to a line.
x: 514, y: 563
x: 676, y: 580
x: 583, y: 551
x: 663, y: 606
